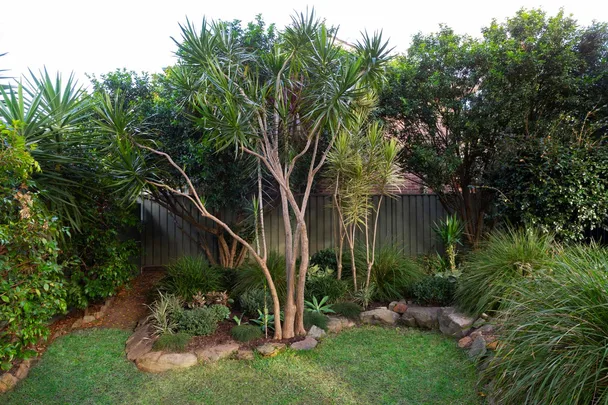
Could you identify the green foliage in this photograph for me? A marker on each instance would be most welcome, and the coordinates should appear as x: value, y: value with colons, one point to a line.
x: 392, y: 273
x: 365, y: 296
x: 347, y: 309
x: 554, y: 335
x: 325, y: 258
x: 172, y: 342
x: 201, y: 321
x: 246, y: 333
x: 253, y: 300
x: 505, y: 259
x: 251, y: 276
x: 265, y: 320
x: 435, y: 291
x: 189, y: 275
x: 321, y: 307
x: 165, y: 312
x: 325, y: 286
x: 31, y: 282
x: 450, y: 232
x: 315, y: 318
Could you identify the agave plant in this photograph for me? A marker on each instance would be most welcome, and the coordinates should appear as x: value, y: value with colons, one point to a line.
x: 321, y: 307
x: 450, y: 231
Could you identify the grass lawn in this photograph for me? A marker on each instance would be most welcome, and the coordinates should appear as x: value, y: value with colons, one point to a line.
x: 367, y: 365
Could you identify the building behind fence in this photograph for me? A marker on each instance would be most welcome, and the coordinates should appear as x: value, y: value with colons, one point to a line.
x: 406, y: 221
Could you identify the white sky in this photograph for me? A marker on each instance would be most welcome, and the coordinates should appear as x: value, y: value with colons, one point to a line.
x: 87, y: 36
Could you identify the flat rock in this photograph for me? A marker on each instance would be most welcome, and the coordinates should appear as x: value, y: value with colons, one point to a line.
x: 391, y: 306
x: 140, y: 342
x: 492, y: 345
x: 487, y: 329
x: 270, y: 349
x: 452, y: 323
x: 408, y: 320
x: 316, y: 333
x: 215, y: 353
x: 479, y: 323
x: 478, y: 348
x: 7, y: 382
x: 400, y: 308
x: 338, y: 323
x: 426, y: 317
x: 465, y: 342
x: 23, y: 370
x: 308, y: 343
x: 157, y: 362
x: 77, y: 324
x: 88, y: 319
x: 380, y: 316
x: 245, y: 354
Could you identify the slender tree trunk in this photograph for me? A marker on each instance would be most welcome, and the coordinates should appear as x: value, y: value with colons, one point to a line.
x: 370, y: 263
x: 351, y: 245
x: 304, y: 259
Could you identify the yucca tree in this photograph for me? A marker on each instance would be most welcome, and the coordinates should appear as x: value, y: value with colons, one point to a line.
x: 362, y: 163
x: 279, y: 107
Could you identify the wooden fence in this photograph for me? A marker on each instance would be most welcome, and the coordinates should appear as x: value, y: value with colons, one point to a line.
x: 406, y: 220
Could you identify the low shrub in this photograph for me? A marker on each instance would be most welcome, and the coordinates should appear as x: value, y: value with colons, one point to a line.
x: 315, y: 318
x: 164, y: 312
x: 251, y: 276
x: 554, y: 335
x: 190, y: 275
x: 434, y: 290
x: 347, y: 309
x: 201, y: 321
x: 220, y: 312
x: 325, y: 286
x: 392, y: 273
x: 174, y: 342
x: 246, y: 333
x: 325, y: 258
x: 252, y: 301
x: 506, y: 258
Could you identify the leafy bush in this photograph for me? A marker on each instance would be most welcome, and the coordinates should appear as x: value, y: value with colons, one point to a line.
x: 164, y: 313
x: 325, y: 258
x: 348, y: 309
x: 365, y: 296
x: 554, y: 337
x: 201, y: 321
x: 189, y: 275
x: 315, y: 318
x: 325, y: 286
x: 252, y: 301
x: 251, y: 276
x: 220, y: 312
x: 434, y: 290
x: 246, y: 333
x: 392, y: 273
x: 174, y: 342
x: 31, y: 282
x: 506, y: 258
x: 321, y: 307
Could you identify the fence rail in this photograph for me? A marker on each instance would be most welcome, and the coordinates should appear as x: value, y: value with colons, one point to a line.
x: 406, y: 221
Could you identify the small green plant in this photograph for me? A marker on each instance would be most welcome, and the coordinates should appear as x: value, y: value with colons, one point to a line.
x: 220, y: 312
x: 315, y: 318
x: 251, y: 277
x: 348, y: 309
x: 246, y: 333
x: 253, y: 300
x: 238, y: 320
x: 320, y: 307
x: 191, y: 275
x: 450, y: 231
x: 164, y: 313
x: 201, y: 321
x: 325, y: 285
x: 365, y: 296
x: 174, y: 342
x: 435, y: 290
x: 324, y: 259
x: 265, y: 321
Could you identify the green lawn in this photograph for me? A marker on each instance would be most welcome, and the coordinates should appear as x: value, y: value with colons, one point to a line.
x: 368, y: 365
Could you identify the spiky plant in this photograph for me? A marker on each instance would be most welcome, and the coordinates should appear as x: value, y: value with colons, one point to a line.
x: 450, y: 231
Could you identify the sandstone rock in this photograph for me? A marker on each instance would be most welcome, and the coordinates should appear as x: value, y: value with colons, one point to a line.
x: 88, y: 318
x: 475, y: 334
x: 408, y: 320
x: 156, y: 362
x: 392, y: 305
x: 270, y: 349
x: 77, y: 324
x: 245, y: 354
x: 400, y: 308
x: 479, y: 323
x: 337, y: 323
x: 140, y: 342
x: 426, y: 317
x: 478, y: 348
x: 487, y: 329
x: 316, y: 333
x: 308, y: 343
x: 465, y: 342
x: 215, y: 353
x: 492, y: 345
x: 490, y: 338
x: 7, y: 382
x: 454, y: 324
x: 23, y: 370
x: 379, y: 316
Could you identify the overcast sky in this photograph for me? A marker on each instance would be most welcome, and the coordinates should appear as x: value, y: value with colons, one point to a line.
x: 99, y: 36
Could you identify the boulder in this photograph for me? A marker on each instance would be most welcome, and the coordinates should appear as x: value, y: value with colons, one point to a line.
x: 487, y: 329
x: 452, y: 323
x: 245, y: 354
x: 156, y: 362
x: 478, y: 348
x: 89, y: 319
x: 270, y: 349
x: 140, y: 342
x: 23, y: 370
x: 215, y: 353
x: 408, y: 320
x: 479, y: 323
x: 308, y: 343
x: 400, y: 308
x: 7, y: 382
x: 392, y: 305
x: 380, y: 316
x: 337, y: 323
x: 426, y: 317
x: 492, y: 345
x: 465, y: 342
x: 316, y: 333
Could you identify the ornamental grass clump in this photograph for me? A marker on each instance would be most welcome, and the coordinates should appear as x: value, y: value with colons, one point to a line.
x: 554, y: 339
x: 506, y: 258
x: 190, y: 275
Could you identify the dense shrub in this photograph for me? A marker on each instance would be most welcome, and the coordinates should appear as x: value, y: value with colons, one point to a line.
x: 174, y: 342
x: 201, y: 321
x: 246, y: 333
x: 347, y: 309
x: 393, y: 273
x: 251, y: 276
x: 189, y: 275
x: 253, y: 300
x: 506, y: 258
x: 325, y: 258
x: 315, y: 318
x: 325, y: 286
x: 554, y: 335
x: 31, y: 280
x: 434, y: 290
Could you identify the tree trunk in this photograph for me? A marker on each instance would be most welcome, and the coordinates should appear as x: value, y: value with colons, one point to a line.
x: 304, y: 259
